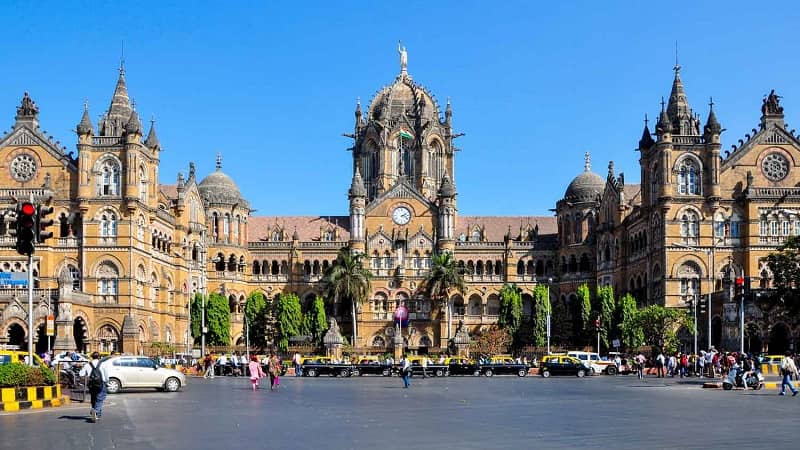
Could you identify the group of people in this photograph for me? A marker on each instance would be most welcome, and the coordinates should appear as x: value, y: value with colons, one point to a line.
x: 237, y: 363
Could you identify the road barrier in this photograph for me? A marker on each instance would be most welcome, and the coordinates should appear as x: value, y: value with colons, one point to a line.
x: 34, y: 397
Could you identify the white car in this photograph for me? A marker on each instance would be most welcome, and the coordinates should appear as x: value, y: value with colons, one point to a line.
x: 140, y: 372
x: 593, y: 361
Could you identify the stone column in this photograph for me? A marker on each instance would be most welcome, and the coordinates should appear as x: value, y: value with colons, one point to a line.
x: 462, y: 340
x: 130, y: 336
x: 398, y: 346
x: 333, y: 340
x: 65, y: 340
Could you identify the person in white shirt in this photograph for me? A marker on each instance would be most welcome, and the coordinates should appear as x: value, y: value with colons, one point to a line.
x: 424, y: 367
x: 98, y: 395
x: 298, y: 371
x: 405, y: 365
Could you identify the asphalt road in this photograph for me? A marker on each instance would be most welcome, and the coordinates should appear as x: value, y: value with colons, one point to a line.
x: 456, y: 412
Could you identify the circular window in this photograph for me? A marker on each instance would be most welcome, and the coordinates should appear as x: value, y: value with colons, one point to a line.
x: 23, y: 167
x: 775, y: 167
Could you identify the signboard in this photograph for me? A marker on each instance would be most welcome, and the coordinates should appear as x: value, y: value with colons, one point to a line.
x: 51, y: 325
x: 615, y: 343
x: 13, y: 278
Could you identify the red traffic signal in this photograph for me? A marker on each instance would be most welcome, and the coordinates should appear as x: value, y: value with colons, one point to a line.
x: 739, y: 281
x: 596, y: 324
x: 27, y: 209
x: 26, y: 225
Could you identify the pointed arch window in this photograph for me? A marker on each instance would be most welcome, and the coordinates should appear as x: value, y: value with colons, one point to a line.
x: 688, y: 177
x: 690, y: 224
x: 76, y: 277
x: 143, y: 184
x: 108, y: 225
x: 109, y: 178
x: 107, y: 275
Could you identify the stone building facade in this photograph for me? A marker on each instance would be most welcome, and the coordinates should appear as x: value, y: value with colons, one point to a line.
x: 129, y: 253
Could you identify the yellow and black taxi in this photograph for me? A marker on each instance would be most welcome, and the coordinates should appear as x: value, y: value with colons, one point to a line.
x: 503, y: 365
x: 562, y: 365
x: 459, y: 365
x: 432, y: 368
x: 18, y: 356
x: 322, y: 365
x: 371, y: 365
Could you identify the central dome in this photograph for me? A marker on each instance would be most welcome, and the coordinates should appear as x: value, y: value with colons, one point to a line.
x: 218, y: 187
x: 401, y: 98
x: 586, y: 186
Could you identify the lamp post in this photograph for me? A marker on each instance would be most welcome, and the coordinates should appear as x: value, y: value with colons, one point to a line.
x: 710, y: 254
x: 549, y: 281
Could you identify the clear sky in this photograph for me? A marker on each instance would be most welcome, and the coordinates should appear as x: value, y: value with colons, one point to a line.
x: 273, y: 85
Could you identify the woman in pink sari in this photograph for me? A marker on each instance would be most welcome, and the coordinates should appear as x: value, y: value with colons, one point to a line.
x: 256, y: 371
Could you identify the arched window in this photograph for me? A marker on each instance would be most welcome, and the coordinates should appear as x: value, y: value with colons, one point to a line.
x: 226, y: 226
x: 277, y: 236
x: 475, y: 236
x: 688, y: 177
x: 143, y: 184
x: 108, y: 225
x: 109, y: 178
x: 379, y: 342
x: 690, y: 225
x: 689, y: 274
x: 327, y: 236
x: 107, y: 275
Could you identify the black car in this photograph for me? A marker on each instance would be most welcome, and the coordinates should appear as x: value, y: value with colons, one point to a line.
x: 562, y: 365
x: 503, y: 366
x: 462, y: 366
x: 314, y: 367
x: 371, y: 367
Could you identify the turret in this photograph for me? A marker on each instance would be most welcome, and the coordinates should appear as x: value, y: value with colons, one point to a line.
x: 647, y: 140
x: 711, y: 132
x: 133, y: 128
x: 358, y: 198
x: 85, y: 128
x: 447, y: 214
x: 152, y: 138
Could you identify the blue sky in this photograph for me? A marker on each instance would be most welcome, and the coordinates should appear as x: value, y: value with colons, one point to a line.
x: 273, y: 85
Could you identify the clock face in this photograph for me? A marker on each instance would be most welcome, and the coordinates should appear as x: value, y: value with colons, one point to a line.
x: 401, y: 215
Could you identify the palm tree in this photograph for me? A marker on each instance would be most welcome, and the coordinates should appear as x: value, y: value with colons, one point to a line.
x: 445, y: 275
x: 347, y: 279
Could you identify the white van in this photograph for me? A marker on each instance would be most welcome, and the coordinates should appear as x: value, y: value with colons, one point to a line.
x: 593, y: 361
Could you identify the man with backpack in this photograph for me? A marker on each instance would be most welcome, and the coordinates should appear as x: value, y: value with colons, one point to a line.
x: 96, y: 384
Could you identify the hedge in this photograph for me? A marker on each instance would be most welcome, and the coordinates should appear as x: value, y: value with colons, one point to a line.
x: 16, y: 375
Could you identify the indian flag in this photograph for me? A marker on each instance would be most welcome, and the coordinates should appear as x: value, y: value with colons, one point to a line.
x: 405, y: 134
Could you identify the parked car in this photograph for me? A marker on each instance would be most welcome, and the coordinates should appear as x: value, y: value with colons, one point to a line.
x: 594, y: 362
x: 503, y: 365
x: 371, y: 366
x: 140, y: 372
x: 18, y: 356
x: 433, y: 369
x: 461, y: 366
x: 562, y: 365
x: 323, y: 365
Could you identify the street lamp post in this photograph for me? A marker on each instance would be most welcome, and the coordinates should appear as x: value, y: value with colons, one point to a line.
x: 549, y: 281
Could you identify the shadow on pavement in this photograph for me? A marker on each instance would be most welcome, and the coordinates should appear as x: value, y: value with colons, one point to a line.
x: 83, y: 418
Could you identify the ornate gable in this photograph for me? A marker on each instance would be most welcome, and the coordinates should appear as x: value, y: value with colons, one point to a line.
x: 22, y: 136
x: 401, y: 190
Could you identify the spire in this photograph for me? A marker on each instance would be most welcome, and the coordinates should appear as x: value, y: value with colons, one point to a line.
x: 678, y: 110
x: 448, y: 113
x: 712, y: 124
x: 587, y: 162
x: 447, y: 188
x: 219, y: 161
x: 85, y: 125
x: 611, y: 169
x: 120, y: 109
x: 358, y: 113
x: 663, y: 125
x: 152, y: 137
x: 357, y: 188
x: 647, y: 140
x: 134, y: 125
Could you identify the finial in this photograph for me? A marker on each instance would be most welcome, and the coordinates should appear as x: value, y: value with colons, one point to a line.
x: 86, y: 104
x: 611, y: 168
x: 152, y: 119
x: 358, y: 101
x: 133, y: 104
x: 646, y: 122
x: 219, y: 160
x: 662, y: 104
x: 587, y: 163
x: 122, y: 59
x: 711, y: 102
x: 677, y: 67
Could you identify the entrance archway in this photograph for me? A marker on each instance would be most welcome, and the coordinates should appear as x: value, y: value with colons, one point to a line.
x: 80, y: 332
x: 716, y: 332
x: 16, y: 335
x: 752, y: 339
x: 779, y: 339
x: 108, y: 336
x: 41, y: 339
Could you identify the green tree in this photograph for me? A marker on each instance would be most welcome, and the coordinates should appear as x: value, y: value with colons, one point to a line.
x: 317, y: 321
x: 218, y: 319
x: 347, y: 279
x: 444, y: 277
x: 785, y: 266
x: 510, y: 314
x: 541, y: 309
x: 605, y: 296
x: 289, y: 318
x: 583, y: 321
x: 255, y: 313
x: 630, y: 332
x: 659, y: 326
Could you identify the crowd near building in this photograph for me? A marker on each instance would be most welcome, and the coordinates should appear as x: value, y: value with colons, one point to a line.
x: 129, y: 253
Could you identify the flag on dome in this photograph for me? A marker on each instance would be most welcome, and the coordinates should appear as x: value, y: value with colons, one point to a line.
x: 405, y: 134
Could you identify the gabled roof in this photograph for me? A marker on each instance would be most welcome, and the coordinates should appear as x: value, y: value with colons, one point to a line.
x: 401, y: 189
x: 496, y: 227
x: 770, y: 135
x: 308, y: 227
x: 23, y: 135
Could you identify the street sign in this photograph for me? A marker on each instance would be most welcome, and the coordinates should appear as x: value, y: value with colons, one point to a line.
x: 5, y: 275
x: 51, y: 325
x: 615, y: 343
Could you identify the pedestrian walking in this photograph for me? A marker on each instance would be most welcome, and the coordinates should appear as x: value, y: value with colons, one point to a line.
x: 256, y: 372
x: 98, y: 377
x: 424, y: 367
x: 405, y: 365
x: 660, y: 365
x: 788, y: 369
x: 640, y: 366
x: 298, y: 370
x: 273, y: 368
x: 208, y: 364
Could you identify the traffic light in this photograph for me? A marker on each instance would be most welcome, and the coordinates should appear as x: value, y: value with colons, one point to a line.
x: 702, y: 305
x: 596, y: 324
x: 26, y: 228
x: 739, y: 286
x: 43, y: 223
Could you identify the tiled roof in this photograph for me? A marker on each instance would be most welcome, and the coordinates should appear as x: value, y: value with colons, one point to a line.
x: 308, y: 227
x: 496, y: 227
x: 633, y: 194
x: 169, y: 190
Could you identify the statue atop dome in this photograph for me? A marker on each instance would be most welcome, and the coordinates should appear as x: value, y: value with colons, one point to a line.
x: 403, y: 58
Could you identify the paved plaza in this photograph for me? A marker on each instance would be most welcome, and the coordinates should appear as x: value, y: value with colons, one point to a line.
x: 455, y: 412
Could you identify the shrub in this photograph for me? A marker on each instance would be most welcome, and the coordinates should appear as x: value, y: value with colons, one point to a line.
x: 16, y: 375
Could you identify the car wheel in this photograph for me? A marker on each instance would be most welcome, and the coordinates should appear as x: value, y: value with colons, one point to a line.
x: 172, y: 384
x: 113, y: 386
x: 611, y: 370
x: 439, y: 373
x: 312, y: 372
x: 488, y: 372
x: 387, y: 372
x: 546, y: 373
x: 581, y: 373
x: 522, y: 372
x: 477, y: 373
x: 332, y: 374
x: 356, y: 373
x: 344, y: 373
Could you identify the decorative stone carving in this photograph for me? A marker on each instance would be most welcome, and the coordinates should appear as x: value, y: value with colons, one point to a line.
x: 771, y: 104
